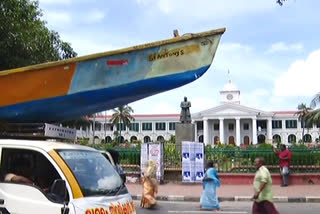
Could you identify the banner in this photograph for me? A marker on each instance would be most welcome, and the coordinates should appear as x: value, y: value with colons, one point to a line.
x: 154, y: 152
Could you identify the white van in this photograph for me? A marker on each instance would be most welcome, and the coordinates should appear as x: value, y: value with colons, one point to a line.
x: 67, y: 179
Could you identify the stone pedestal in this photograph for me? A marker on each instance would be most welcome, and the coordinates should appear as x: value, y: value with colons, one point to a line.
x: 184, y: 132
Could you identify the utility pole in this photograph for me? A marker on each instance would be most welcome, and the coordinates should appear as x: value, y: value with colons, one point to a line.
x: 105, y: 126
x: 94, y: 129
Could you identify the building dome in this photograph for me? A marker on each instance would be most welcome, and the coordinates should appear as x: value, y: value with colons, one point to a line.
x: 229, y: 87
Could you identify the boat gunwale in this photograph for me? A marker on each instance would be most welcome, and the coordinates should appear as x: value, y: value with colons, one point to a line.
x: 184, y: 37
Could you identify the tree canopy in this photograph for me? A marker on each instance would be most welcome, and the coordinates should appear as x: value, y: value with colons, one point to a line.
x: 24, y: 37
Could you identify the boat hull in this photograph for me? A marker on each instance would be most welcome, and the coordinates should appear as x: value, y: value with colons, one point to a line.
x: 77, y: 88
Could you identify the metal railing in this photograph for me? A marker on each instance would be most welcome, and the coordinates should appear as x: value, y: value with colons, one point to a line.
x: 232, y: 160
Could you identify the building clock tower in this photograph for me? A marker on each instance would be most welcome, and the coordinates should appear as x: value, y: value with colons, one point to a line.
x: 230, y: 94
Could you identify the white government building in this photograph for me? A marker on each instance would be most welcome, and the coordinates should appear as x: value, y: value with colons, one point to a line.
x: 229, y: 123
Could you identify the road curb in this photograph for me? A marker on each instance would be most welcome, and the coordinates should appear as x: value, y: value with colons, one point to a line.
x: 277, y: 199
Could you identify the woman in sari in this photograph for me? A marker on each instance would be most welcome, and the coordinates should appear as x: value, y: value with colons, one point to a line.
x: 150, y: 186
x: 209, y: 199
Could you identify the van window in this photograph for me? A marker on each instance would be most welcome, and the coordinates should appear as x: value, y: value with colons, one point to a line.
x: 30, y: 164
x: 94, y: 173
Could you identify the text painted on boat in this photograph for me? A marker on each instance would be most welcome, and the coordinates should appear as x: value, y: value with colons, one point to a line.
x: 164, y: 54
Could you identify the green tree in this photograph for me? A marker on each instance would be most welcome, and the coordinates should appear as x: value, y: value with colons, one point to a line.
x: 122, y: 115
x: 302, y: 114
x: 313, y: 117
x: 24, y: 38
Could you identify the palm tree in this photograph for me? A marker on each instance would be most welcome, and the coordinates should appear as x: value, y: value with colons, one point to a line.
x: 302, y: 113
x: 313, y: 117
x: 121, y: 115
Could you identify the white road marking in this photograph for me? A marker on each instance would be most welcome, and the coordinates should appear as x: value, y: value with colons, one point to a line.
x: 218, y: 212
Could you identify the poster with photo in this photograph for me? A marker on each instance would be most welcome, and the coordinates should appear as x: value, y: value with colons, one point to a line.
x: 185, y: 151
x: 155, y: 154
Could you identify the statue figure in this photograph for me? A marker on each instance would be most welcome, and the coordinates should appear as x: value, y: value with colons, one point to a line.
x: 185, y: 116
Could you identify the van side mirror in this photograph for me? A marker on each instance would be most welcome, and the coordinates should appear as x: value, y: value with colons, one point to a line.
x: 59, y: 191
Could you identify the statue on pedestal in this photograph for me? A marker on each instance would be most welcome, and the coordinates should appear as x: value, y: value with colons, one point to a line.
x: 185, y: 116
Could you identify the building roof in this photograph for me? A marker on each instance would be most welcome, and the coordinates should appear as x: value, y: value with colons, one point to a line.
x: 143, y: 116
x: 285, y: 112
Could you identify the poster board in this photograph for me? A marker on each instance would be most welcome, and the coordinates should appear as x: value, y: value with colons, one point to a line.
x: 192, y: 161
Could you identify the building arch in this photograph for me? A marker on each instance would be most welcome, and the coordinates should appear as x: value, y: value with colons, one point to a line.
x: 133, y: 138
x: 307, y: 138
x: 108, y: 139
x: 246, y: 140
x: 231, y: 140
x: 146, y: 139
x: 160, y: 138
x: 292, y: 138
x: 201, y: 138
x: 121, y: 139
x: 216, y: 140
x: 261, y: 138
x: 276, y: 138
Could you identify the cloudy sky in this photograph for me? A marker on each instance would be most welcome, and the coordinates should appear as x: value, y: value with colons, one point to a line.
x: 272, y: 52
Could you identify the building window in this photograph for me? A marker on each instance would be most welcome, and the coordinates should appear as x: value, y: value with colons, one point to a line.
x: 160, y: 138
x: 292, y: 138
x: 291, y: 124
x: 172, y: 126
x: 231, y: 126
x: 97, y: 126
x: 134, y: 127
x: 133, y: 138
x: 201, y: 138
x: 160, y: 126
x: 306, y: 125
x: 307, y: 138
x: 246, y: 126
x: 276, y: 124
x: 147, y: 126
x: 216, y: 126
x: 108, y: 127
x: 146, y: 139
x: 276, y: 138
x: 108, y: 139
x: 262, y: 124
x: 200, y: 125
x: 122, y: 126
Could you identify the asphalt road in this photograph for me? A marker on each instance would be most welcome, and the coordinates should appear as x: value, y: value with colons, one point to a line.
x: 165, y: 207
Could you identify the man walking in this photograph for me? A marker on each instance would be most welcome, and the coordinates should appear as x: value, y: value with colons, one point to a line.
x: 262, y: 185
x: 284, y: 158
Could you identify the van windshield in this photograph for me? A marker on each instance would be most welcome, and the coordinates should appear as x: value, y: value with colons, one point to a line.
x: 94, y: 173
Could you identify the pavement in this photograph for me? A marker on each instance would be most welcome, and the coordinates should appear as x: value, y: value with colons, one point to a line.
x: 192, y: 192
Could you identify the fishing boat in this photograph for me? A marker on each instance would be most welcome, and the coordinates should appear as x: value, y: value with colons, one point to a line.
x: 72, y: 88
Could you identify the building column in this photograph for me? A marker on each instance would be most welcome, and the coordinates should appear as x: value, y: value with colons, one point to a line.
x: 205, y: 131
x: 283, y: 132
x: 221, y: 130
x: 195, y: 131
x: 254, y: 131
x: 238, y: 138
x: 269, y: 130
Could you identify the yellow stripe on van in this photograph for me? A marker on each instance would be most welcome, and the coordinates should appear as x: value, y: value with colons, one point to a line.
x: 76, y: 191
